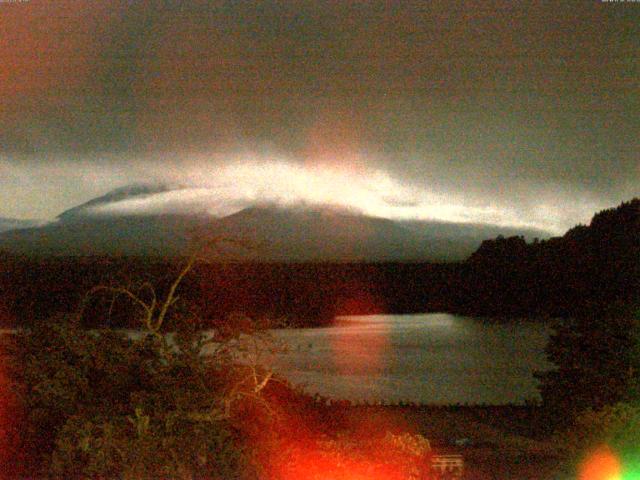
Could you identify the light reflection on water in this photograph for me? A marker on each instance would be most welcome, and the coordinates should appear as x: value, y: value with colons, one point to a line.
x: 426, y: 358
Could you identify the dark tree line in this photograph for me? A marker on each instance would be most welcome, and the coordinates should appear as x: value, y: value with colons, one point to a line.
x: 302, y: 294
x: 586, y: 270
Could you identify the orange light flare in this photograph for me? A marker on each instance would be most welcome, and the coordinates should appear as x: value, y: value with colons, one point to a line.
x: 9, y: 440
x: 335, y: 140
x: 4, y: 414
x: 333, y: 465
x: 308, y: 454
x: 348, y: 457
x: 301, y: 441
x: 602, y: 464
x: 359, y: 350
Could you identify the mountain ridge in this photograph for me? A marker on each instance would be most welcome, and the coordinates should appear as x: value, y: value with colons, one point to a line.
x: 7, y: 224
x: 279, y: 233
x: 115, y: 195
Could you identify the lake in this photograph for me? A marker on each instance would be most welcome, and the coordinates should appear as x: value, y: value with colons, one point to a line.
x: 433, y: 358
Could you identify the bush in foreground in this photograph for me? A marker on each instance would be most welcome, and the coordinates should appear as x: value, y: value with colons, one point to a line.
x: 103, y: 404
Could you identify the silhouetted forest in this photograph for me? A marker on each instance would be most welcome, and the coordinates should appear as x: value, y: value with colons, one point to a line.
x: 588, y: 269
x: 590, y: 266
x: 299, y: 294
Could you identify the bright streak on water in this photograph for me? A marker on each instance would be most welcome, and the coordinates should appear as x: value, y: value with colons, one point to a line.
x: 426, y: 358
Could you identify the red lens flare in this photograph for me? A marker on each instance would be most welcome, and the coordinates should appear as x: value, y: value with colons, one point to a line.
x: 328, y: 465
x: 348, y: 458
x: 334, y: 140
x: 602, y: 464
x: 3, y: 413
x: 312, y: 442
x: 8, y: 431
x: 360, y: 350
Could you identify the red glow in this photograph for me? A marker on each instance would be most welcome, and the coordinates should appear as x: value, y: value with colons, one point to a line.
x: 11, y: 410
x: 3, y: 410
x: 358, y: 299
x: 306, y: 444
x: 602, y: 464
x: 334, y: 140
x: 350, y: 354
x: 354, y: 458
x: 308, y: 465
x: 6, y: 419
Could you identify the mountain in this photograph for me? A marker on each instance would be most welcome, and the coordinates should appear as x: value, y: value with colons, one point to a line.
x: 157, y: 235
x: 137, y: 190
x: 15, y: 224
x: 272, y: 233
x: 329, y: 234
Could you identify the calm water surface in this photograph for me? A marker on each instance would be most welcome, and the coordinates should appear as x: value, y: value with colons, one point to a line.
x: 426, y: 358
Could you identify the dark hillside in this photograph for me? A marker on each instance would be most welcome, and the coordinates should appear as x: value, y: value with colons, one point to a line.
x: 590, y: 267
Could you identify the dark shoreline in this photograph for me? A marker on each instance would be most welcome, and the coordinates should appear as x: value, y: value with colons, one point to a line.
x: 304, y: 295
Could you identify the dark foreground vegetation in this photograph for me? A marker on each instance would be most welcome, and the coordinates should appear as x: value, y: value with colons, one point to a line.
x: 81, y: 403
x: 96, y: 403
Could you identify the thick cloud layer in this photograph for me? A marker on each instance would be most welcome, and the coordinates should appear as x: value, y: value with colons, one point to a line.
x: 496, y: 111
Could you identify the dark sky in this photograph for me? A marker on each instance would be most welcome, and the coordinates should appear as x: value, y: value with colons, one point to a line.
x: 506, y: 112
